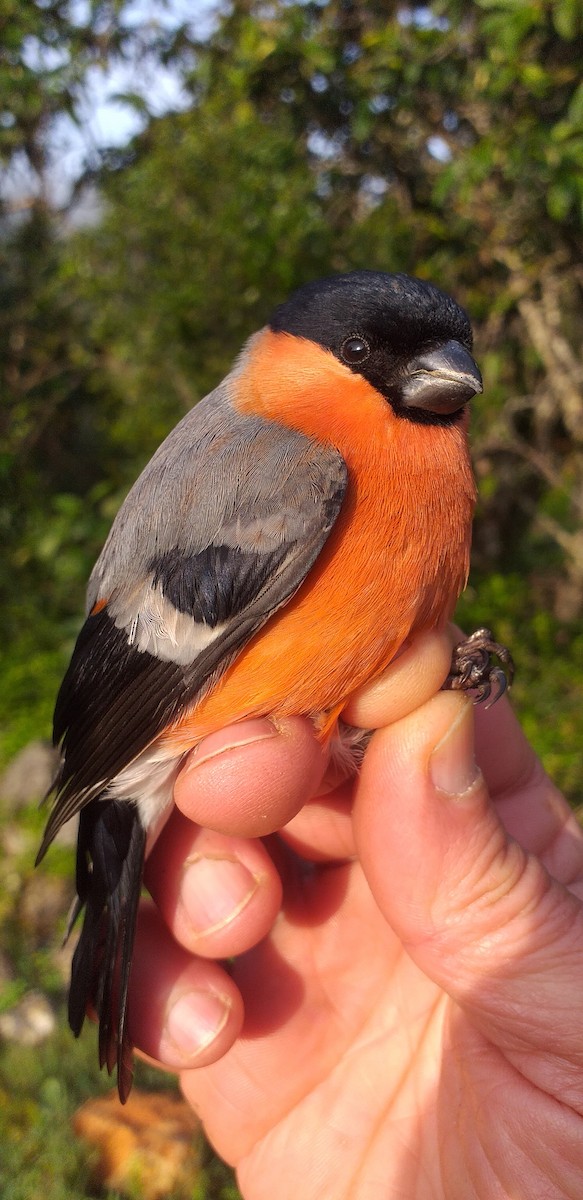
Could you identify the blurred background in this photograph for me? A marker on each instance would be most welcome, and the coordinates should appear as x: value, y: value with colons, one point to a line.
x: 170, y: 171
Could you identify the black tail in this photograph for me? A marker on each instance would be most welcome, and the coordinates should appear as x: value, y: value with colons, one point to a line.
x: 110, y: 862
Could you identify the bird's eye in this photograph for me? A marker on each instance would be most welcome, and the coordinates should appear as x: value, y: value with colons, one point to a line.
x: 355, y: 350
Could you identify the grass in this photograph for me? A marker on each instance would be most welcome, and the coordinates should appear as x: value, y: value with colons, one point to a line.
x: 40, y: 1088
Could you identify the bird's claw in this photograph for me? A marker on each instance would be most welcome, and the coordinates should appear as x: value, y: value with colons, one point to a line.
x: 473, y: 669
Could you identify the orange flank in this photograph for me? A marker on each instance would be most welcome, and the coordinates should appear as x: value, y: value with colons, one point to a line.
x: 380, y: 576
x: 98, y: 607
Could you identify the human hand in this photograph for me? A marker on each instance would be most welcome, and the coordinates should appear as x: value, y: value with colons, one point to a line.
x: 409, y: 1023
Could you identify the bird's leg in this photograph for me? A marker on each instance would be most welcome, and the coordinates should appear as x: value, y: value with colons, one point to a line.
x: 473, y: 668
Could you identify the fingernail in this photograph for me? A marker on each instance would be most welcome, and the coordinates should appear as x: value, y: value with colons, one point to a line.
x: 452, y: 766
x: 244, y: 734
x: 193, y: 1022
x: 214, y: 891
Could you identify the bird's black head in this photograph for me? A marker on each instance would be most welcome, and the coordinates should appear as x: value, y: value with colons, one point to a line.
x: 409, y: 339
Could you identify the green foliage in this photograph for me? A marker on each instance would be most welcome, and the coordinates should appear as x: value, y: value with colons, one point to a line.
x: 306, y: 148
x: 177, y: 288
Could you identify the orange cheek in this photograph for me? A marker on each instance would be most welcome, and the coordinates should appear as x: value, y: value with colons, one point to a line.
x: 302, y: 385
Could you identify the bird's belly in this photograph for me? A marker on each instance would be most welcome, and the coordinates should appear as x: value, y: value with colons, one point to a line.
x: 377, y: 580
x: 394, y: 563
x: 310, y: 657
x: 307, y: 660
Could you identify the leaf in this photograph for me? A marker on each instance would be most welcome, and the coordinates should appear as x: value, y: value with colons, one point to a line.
x: 567, y: 17
x: 575, y: 109
x: 560, y: 199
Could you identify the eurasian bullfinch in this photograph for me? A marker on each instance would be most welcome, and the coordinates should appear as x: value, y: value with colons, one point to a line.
x: 296, y: 526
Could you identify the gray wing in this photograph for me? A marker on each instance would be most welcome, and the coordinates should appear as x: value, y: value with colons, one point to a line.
x: 219, y: 531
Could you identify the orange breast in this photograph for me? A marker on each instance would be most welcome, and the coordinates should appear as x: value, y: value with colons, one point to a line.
x: 395, y: 561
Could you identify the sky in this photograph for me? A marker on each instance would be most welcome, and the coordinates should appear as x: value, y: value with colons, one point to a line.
x: 103, y: 119
x: 106, y: 120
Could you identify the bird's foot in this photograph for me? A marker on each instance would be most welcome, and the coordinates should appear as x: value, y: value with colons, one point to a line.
x: 474, y: 669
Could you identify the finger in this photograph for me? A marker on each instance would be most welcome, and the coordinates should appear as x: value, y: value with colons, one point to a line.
x: 309, y: 990
x: 478, y: 915
x: 505, y: 756
x: 218, y: 895
x: 251, y: 778
x: 322, y: 831
x: 183, y: 1011
x: 408, y: 682
x: 513, y: 774
x: 509, y: 763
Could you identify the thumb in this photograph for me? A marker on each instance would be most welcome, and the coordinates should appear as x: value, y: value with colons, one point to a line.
x: 479, y: 916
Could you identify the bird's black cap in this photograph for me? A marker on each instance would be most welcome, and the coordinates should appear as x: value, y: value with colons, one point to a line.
x: 392, y: 329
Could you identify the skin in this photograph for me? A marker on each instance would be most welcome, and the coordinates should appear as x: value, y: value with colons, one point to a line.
x: 403, y: 1018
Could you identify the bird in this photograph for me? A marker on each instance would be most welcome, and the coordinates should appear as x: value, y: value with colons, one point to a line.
x: 295, y: 528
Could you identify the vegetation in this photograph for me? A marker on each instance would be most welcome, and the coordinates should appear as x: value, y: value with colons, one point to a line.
x: 443, y: 139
